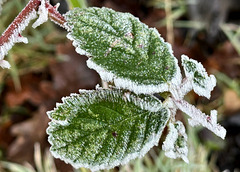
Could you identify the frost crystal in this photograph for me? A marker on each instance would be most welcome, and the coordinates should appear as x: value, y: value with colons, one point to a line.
x: 1, y: 3
x: 175, y: 145
x: 43, y: 15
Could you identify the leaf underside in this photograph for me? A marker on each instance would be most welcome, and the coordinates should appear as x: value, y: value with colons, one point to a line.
x: 105, y: 128
x: 121, y: 47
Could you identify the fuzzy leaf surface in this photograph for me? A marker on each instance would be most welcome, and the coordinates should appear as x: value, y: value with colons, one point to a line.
x: 123, y: 50
x: 105, y: 128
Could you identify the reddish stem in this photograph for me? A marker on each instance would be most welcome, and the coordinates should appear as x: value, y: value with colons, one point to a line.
x: 31, y: 6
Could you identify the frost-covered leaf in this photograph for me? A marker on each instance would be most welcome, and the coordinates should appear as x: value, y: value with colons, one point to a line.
x: 105, y: 128
x: 123, y: 50
x: 201, y: 83
x: 175, y: 145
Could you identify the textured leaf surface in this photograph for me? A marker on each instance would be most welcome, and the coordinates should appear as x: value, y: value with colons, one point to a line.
x: 201, y: 83
x: 123, y: 50
x: 105, y: 128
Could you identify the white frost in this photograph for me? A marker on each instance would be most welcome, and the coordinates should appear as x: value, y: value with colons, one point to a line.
x: 43, y: 15
x: 16, y: 36
x: 126, y: 83
x: 76, y: 43
x: 153, y: 141
x: 101, y: 93
x: 1, y: 3
x: 172, y: 150
x: 200, y: 118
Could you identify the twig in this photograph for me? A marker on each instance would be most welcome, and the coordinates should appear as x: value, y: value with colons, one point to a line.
x: 13, y: 35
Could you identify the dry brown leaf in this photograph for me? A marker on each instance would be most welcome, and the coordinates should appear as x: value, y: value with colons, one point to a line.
x: 231, y: 101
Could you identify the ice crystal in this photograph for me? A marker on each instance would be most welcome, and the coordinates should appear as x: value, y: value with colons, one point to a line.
x: 175, y: 145
x: 14, y: 30
x: 43, y: 15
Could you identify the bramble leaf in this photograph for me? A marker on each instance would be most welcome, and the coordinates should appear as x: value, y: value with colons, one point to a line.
x: 175, y: 145
x: 105, y: 128
x: 201, y: 83
x: 123, y: 50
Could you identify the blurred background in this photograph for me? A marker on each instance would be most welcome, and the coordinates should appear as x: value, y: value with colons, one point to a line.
x: 48, y: 68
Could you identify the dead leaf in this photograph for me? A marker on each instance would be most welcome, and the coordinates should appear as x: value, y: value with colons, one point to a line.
x: 27, y: 133
x: 231, y: 101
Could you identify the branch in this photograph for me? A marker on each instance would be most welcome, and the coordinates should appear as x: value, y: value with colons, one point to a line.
x: 13, y: 35
x: 1, y: 3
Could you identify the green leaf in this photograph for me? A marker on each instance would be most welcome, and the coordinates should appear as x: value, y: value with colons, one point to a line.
x: 123, y: 50
x: 105, y: 128
x: 201, y: 83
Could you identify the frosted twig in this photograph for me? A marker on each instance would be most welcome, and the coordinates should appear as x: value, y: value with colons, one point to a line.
x: 13, y: 35
x: 200, y: 118
x: 54, y: 15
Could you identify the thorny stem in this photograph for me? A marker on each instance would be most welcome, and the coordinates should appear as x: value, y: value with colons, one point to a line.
x: 13, y: 33
x: 32, y: 5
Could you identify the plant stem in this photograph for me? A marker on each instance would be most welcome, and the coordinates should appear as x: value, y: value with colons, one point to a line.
x: 169, y: 21
x: 31, y: 6
x: 13, y: 35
